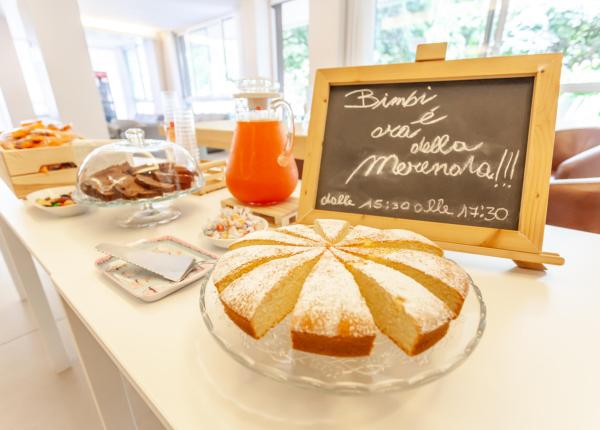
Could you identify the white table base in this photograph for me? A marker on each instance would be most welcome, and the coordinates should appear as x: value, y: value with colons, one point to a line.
x: 27, y: 280
x: 117, y: 403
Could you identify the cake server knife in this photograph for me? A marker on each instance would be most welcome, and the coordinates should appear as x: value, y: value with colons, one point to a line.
x: 171, y: 267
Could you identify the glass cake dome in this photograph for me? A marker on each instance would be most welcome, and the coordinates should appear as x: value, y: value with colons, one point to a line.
x: 141, y: 172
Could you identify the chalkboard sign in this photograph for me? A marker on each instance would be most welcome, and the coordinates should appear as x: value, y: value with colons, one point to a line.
x: 459, y: 151
x: 451, y: 152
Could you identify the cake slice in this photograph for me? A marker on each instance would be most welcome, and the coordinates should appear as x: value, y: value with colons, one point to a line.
x: 271, y: 237
x: 302, y: 231
x: 333, y: 230
x: 443, y: 277
x: 260, y: 299
x: 234, y: 264
x: 403, y: 309
x: 331, y: 317
x: 364, y: 236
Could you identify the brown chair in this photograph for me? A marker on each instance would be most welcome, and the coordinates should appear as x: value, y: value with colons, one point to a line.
x: 574, y: 200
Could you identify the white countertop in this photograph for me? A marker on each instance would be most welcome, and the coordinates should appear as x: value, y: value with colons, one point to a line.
x: 537, y: 366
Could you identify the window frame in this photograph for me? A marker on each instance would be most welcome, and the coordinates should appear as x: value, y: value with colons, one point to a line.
x: 277, y: 21
x: 496, y: 20
x: 183, y: 60
x: 277, y: 58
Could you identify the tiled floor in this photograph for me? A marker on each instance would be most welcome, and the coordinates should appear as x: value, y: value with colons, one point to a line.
x: 32, y: 396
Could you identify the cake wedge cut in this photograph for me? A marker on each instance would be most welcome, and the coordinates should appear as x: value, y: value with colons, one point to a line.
x: 364, y: 236
x: 271, y: 237
x: 409, y: 314
x: 302, y: 231
x: 443, y: 277
x: 331, y: 317
x: 261, y: 298
x: 236, y: 263
x: 333, y: 230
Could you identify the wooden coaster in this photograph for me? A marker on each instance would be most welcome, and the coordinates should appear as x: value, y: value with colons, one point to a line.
x: 281, y: 214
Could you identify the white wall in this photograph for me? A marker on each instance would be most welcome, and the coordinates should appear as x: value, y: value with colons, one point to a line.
x: 326, y: 34
x: 360, y: 32
x: 167, y: 57
x: 56, y: 29
x: 157, y: 77
x: 12, y: 84
x: 254, y: 37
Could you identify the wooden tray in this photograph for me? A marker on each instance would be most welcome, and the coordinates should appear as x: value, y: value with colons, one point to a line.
x: 281, y: 214
x: 20, y: 168
x: 213, y: 173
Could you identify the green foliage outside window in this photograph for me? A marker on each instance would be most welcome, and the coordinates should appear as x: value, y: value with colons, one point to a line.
x: 530, y: 27
x: 296, y: 67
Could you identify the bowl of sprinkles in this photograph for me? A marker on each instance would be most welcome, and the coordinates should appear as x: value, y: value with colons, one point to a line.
x: 232, y: 224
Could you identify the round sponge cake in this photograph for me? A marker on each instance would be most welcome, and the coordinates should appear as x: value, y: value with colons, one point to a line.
x: 341, y: 283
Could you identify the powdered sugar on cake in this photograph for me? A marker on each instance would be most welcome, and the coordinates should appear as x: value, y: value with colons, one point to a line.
x: 274, y: 237
x: 242, y: 256
x: 245, y: 294
x: 427, y: 310
x: 404, y: 235
x: 440, y: 268
x: 303, y: 231
x: 331, y: 229
x: 330, y: 303
x: 360, y: 233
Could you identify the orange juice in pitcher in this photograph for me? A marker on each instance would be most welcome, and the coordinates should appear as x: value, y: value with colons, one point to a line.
x: 261, y: 169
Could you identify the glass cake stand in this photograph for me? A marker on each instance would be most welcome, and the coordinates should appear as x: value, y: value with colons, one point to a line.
x: 144, y: 212
x: 139, y: 173
x: 386, y: 369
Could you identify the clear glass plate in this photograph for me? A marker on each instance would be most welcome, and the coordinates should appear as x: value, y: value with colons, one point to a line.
x: 91, y: 201
x: 386, y: 369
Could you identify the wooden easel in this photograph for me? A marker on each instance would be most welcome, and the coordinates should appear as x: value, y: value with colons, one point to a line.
x: 437, y: 52
x: 523, y: 246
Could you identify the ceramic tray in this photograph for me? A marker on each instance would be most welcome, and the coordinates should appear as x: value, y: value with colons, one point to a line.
x: 147, y: 286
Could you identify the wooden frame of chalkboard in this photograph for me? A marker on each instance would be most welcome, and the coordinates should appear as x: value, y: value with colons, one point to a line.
x: 506, y: 103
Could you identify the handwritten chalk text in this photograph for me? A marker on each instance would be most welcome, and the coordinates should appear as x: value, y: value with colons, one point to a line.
x: 433, y: 206
x: 341, y: 199
x: 366, y: 99
x: 391, y: 164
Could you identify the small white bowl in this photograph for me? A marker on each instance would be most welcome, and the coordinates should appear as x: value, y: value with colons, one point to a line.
x: 262, y: 224
x: 61, y: 211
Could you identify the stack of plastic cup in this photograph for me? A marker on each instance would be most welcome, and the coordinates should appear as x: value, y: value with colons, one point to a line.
x: 185, y: 131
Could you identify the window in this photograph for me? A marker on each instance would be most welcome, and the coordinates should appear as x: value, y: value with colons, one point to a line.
x: 125, y: 62
x: 36, y: 79
x: 400, y: 25
x: 109, y: 62
x: 572, y: 28
x: 291, y: 34
x: 139, y: 77
x: 504, y: 27
x: 209, y: 57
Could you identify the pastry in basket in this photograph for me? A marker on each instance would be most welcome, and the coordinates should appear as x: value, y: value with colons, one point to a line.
x: 35, y: 134
x: 340, y: 283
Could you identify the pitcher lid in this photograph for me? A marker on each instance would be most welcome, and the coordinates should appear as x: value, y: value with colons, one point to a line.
x: 259, y: 87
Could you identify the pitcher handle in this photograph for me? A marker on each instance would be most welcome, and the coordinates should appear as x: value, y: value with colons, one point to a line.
x: 284, y: 158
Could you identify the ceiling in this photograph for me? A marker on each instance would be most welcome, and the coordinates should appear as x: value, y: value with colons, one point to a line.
x: 160, y: 14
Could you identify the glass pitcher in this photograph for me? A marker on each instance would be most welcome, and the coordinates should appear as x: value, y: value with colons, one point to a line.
x: 261, y: 169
